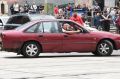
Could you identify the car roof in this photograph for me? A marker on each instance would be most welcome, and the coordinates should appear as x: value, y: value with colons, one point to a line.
x: 45, y: 20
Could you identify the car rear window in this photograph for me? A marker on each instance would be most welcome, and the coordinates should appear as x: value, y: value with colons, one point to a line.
x: 18, y: 20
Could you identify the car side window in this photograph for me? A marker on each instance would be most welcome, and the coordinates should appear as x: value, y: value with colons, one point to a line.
x: 50, y: 27
x: 33, y: 28
x: 68, y: 26
x: 72, y: 25
x: 78, y: 27
x: 40, y: 28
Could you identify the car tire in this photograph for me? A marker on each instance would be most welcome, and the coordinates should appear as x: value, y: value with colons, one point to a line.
x: 94, y: 53
x: 31, y: 50
x: 104, y: 48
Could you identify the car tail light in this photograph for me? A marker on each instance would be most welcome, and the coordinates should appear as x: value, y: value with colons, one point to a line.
x: 1, y: 41
x: 2, y: 35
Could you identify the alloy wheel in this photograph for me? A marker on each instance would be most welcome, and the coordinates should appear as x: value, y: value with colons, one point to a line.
x: 104, y: 48
x: 31, y: 50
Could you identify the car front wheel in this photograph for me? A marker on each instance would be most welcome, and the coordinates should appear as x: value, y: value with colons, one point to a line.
x: 104, y: 48
x: 31, y: 50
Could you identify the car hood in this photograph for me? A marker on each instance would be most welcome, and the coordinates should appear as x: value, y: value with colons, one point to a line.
x: 104, y: 34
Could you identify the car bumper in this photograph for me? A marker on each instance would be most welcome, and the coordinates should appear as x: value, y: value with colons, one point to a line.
x: 0, y: 46
x: 0, y: 43
x: 118, y: 44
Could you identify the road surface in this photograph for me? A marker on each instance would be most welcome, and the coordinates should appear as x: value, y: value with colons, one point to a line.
x: 60, y: 66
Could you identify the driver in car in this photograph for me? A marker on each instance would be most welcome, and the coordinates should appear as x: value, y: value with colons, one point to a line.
x: 68, y: 29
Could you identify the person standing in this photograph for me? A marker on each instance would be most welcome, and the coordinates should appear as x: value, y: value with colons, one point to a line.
x: 12, y: 9
x: 118, y: 23
x: 60, y: 14
x: 34, y: 8
x: 56, y: 11
x: 97, y: 7
x: 26, y: 7
x: 105, y: 20
x: 40, y: 8
x: 97, y: 20
x: 16, y: 7
x: 21, y: 9
x: 77, y: 19
x: 69, y: 10
x: 113, y: 15
x: 85, y: 9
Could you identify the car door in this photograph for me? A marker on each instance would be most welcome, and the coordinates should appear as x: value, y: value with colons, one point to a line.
x: 78, y: 42
x: 47, y: 34
x: 51, y: 37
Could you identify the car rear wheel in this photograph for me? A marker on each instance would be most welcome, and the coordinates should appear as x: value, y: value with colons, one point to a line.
x: 104, y: 48
x: 31, y: 50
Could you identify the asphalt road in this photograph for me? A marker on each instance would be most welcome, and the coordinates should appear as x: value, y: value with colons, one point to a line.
x: 60, y: 66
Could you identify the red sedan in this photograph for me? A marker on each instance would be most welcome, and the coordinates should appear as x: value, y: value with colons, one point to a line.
x: 41, y: 36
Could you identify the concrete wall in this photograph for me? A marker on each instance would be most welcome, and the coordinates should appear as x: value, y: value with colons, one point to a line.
x: 87, y: 2
x: 109, y: 3
x: 5, y: 7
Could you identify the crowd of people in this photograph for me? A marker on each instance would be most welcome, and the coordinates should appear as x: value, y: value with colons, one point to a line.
x: 106, y: 17
x: 17, y: 8
x: 80, y: 13
x: 99, y: 17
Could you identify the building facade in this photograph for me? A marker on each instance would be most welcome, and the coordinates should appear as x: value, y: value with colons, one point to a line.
x: 101, y: 3
x: 3, y: 7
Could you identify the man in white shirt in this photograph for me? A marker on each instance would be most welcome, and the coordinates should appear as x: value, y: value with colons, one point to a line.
x: 16, y: 7
x: 34, y: 7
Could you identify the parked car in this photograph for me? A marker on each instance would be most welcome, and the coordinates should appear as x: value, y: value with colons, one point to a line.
x: 3, y: 21
x: 41, y: 36
x: 20, y: 19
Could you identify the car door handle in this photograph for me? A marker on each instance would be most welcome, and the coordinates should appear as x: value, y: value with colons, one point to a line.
x: 40, y: 36
x: 65, y: 35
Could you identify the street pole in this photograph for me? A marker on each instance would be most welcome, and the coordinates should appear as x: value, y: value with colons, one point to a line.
x: 46, y: 6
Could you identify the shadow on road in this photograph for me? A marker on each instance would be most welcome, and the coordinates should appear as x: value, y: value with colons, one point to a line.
x: 60, y: 56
